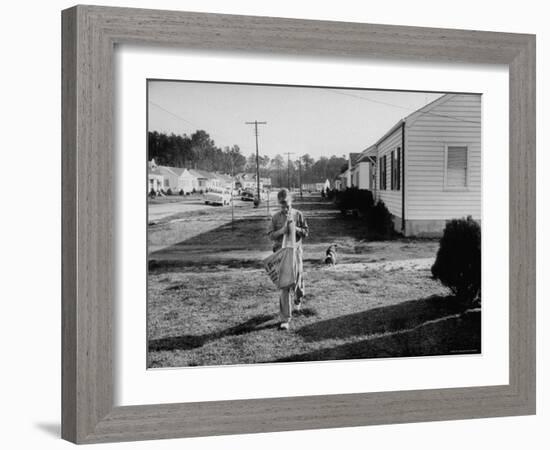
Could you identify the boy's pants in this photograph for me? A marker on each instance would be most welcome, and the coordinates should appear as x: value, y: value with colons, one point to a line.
x: 285, y: 299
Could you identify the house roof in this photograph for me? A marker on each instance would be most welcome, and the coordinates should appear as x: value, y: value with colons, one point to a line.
x: 411, y: 118
x: 175, y: 170
x: 408, y: 121
x: 224, y: 177
x: 197, y: 173
x: 246, y: 176
x: 368, y: 152
x: 353, y: 157
x: 154, y: 171
x: 203, y: 174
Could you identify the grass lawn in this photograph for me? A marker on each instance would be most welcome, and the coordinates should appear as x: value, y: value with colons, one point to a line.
x: 211, y: 303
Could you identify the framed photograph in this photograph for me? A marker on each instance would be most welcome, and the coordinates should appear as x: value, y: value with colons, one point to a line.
x: 268, y: 222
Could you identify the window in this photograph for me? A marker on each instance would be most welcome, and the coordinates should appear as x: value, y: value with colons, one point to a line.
x: 166, y: 183
x: 395, y: 170
x: 457, y: 167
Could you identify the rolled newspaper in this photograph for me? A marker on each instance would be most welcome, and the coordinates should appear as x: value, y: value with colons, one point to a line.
x: 289, y: 239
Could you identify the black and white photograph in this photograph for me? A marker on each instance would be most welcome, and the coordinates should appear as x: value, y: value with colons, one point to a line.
x: 298, y: 223
x: 263, y: 225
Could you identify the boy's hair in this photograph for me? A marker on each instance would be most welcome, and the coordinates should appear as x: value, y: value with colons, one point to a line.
x: 284, y: 194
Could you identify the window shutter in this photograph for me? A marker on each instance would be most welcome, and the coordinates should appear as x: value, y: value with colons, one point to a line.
x: 381, y: 167
x: 398, y: 170
x: 384, y: 172
x: 457, y: 166
x: 392, y: 170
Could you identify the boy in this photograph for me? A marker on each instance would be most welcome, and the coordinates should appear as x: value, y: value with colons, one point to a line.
x: 281, y: 223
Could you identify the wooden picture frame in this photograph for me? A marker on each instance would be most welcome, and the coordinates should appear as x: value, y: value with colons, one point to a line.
x: 89, y: 34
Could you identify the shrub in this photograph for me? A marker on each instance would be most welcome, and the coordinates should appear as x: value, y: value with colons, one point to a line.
x: 379, y: 220
x: 152, y: 193
x: 169, y: 191
x: 354, y: 199
x: 181, y: 192
x: 458, y: 261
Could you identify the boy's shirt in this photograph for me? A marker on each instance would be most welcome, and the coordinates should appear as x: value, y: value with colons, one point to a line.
x: 278, y: 221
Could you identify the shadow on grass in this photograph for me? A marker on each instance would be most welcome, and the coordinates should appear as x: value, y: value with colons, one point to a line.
x: 384, y: 319
x: 189, y: 342
x: 305, y: 312
x: 161, y: 266
x: 458, y: 334
x: 326, y: 225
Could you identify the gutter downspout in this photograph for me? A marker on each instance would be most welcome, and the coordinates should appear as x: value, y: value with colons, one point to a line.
x: 403, y: 177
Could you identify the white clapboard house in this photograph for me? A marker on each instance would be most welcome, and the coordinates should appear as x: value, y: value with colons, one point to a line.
x: 205, y: 180
x: 171, y: 177
x: 179, y: 179
x: 427, y: 167
x: 155, y: 178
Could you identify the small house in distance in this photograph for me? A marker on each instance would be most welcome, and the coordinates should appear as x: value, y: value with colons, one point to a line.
x: 248, y: 181
x: 362, y: 171
x: 342, y: 181
x: 155, y: 178
x: 226, y: 181
x: 427, y: 167
x: 316, y: 187
x: 205, y: 180
x: 171, y: 177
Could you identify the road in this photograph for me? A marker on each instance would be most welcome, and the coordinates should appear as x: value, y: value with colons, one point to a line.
x: 173, y: 206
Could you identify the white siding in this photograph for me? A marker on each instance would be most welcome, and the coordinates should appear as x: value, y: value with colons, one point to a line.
x: 364, y: 175
x: 187, y: 182
x: 392, y: 199
x: 169, y: 176
x: 427, y: 197
x: 360, y: 175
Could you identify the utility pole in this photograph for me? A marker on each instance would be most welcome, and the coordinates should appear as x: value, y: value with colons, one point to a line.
x: 232, y: 153
x: 256, y: 123
x: 288, y: 169
x: 300, y: 175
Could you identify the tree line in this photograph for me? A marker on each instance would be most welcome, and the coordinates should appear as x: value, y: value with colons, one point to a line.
x: 199, y: 151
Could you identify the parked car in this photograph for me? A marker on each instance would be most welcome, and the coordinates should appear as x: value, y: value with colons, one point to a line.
x: 247, y: 195
x: 217, y: 197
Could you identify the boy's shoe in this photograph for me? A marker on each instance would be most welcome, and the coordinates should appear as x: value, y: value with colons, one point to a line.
x: 284, y: 326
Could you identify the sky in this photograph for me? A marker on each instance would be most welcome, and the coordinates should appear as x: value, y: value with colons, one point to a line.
x: 300, y: 120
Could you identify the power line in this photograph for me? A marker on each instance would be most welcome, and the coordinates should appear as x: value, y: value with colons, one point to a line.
x: 198, y: 127
x: 173, y: 114
x: 398, y: 106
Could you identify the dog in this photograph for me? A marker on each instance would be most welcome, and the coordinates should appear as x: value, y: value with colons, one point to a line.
x: 330, y: 258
